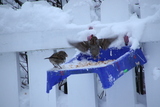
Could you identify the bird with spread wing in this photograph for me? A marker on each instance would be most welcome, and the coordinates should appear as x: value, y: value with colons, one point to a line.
x: 93, y: 44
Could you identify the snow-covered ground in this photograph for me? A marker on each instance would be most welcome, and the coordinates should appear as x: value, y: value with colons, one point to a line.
x: 41, y: 17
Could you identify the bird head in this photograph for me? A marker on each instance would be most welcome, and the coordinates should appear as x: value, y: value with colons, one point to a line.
x: 63, y: 53
x: 93, y: 39
x: 89, y: 37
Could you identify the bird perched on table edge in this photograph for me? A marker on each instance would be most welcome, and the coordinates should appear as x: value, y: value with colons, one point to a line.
x: 93, y: 44
x: 58, y: 58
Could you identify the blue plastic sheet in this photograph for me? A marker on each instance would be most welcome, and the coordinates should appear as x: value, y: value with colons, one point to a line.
x: 125, y: 59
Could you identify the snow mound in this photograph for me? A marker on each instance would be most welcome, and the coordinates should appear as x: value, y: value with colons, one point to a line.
x: 156, y: 73
x: 33, y: 16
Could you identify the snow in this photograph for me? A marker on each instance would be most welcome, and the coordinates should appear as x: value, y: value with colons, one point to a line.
x: 33, y: 16
x: 24, y: 98
x: 62, y: 100
x: 40, y: 16
x: 43, y: 19
x: 156, y: 73
x: 82, y: 35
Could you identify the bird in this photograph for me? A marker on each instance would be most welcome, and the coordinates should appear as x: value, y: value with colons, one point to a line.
x: 93, y: 44
x: 57, y: 58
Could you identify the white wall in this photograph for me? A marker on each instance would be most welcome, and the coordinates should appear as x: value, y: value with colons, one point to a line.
x: 9, y: 80
x: 152, y: 53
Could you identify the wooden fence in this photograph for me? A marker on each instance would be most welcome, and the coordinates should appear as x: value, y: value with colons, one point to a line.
x: 79, y: 92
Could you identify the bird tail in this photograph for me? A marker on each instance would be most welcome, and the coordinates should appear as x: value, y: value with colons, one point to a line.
x: 46, y: 58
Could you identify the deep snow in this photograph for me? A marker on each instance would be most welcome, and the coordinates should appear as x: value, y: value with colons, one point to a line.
x: 40, y: 16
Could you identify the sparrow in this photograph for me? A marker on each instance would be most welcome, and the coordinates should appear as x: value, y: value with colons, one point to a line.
x: 58, y: 58
x: 93, y: 44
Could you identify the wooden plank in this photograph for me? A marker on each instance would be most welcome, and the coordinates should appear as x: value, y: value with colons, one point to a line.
x: 123, y: 92
x: 10, y: 80
x: 27, y: 41
x: 152, y: 50
x: 37, y: 79
x: 82, y: 91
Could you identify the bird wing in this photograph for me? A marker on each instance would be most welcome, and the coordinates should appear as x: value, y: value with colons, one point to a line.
x: 82, y: 46
x: 105, y: 42
x: 55, y: 56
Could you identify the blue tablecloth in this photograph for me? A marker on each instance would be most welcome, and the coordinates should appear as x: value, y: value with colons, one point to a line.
x: 125, y: 59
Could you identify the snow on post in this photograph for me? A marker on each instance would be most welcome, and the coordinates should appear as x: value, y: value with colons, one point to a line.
x: 79, y: 10
x: 150, y: 10
x: 114, y: 11
x: 81, y: 88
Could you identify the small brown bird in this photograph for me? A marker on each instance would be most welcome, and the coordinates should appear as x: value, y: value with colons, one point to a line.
x: 93, y: 44
x: 58, y: 58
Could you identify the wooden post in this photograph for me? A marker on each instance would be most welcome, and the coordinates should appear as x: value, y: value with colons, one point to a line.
x: 123, y: 92
x: 82, y: 91
x: 152, y: 52
x: 81, y: 88
x: 38, y: 67
x: 9, y: 80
